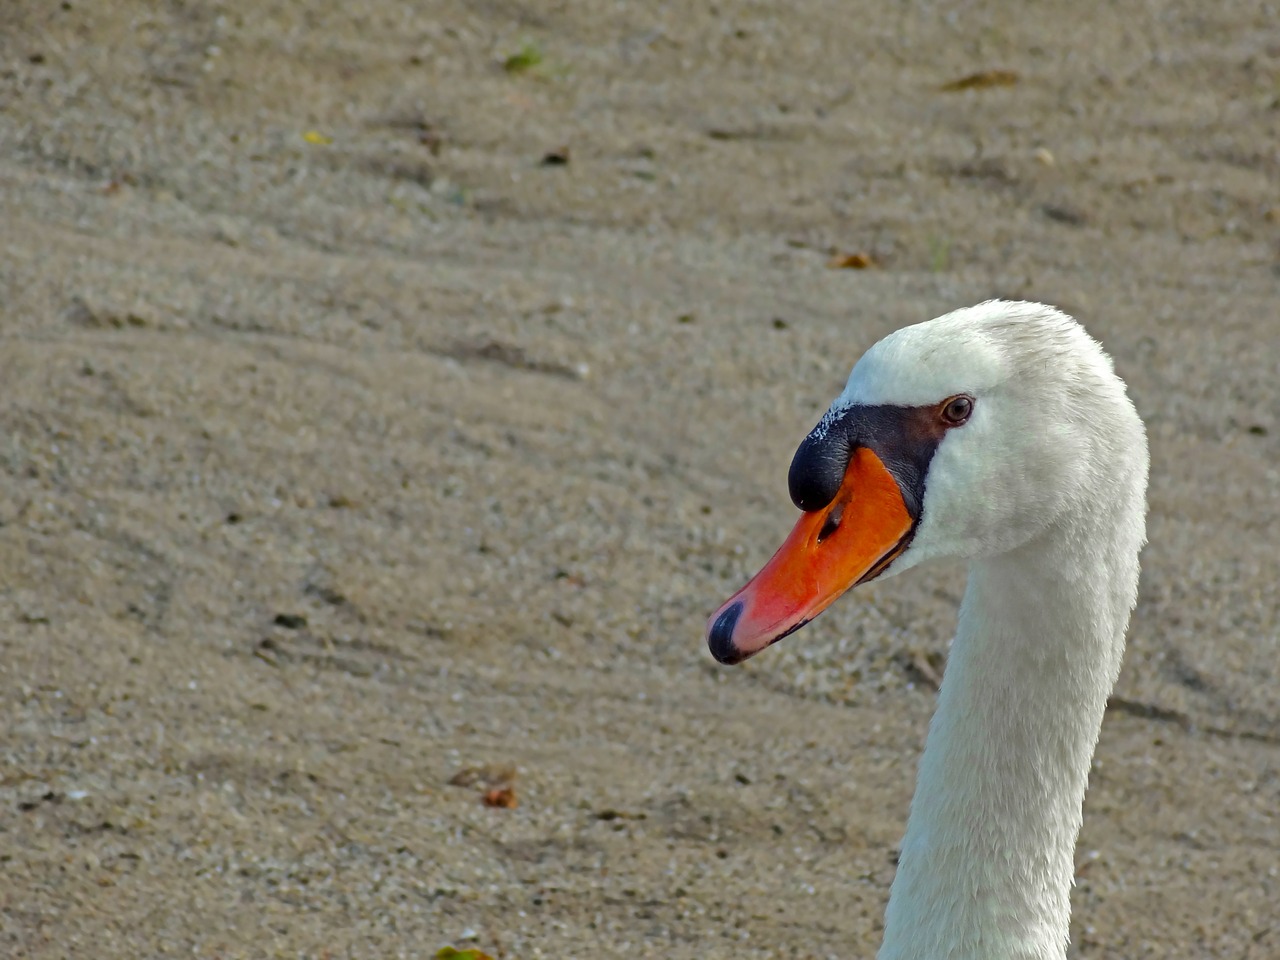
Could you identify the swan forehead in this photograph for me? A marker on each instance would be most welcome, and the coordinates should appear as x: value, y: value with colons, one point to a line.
x: 924, y: 364
x: 971, y: 351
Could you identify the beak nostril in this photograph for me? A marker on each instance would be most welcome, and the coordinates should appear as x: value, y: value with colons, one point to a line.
x: 832, y: 523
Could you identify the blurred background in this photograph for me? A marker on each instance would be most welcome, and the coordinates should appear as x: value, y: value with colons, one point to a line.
x: 391, y: 389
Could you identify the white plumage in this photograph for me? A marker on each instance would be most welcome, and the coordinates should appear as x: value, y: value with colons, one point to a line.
x: 1043, y: 491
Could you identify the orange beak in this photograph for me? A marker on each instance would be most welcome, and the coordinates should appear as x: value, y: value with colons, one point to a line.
x: 849, y: 541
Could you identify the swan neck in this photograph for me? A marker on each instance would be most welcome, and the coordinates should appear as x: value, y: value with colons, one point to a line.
x: 987, y: 862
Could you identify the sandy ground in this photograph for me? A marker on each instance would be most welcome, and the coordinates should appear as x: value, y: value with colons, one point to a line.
x: 350, y: 449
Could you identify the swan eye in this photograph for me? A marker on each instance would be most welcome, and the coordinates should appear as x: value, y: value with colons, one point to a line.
x: 957, y: 410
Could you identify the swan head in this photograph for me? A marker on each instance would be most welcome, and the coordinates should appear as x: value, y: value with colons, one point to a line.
x: 966, y: 436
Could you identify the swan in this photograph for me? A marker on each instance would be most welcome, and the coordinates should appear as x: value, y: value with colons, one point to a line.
x: 1000, y: 434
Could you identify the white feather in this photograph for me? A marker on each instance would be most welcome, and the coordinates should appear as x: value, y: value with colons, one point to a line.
x: 1043, y: 492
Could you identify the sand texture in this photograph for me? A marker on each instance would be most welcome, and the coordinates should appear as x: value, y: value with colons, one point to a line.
x: 390, y: 390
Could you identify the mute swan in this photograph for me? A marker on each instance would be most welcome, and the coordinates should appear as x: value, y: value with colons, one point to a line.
x: 1000, y: 434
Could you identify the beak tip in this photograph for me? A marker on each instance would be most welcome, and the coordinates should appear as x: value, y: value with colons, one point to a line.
x: 720, y: 635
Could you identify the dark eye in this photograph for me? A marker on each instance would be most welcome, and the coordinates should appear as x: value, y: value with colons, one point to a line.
x: 957, y: 410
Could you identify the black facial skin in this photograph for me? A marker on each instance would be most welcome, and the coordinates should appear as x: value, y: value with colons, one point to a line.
x: 904, y: 438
